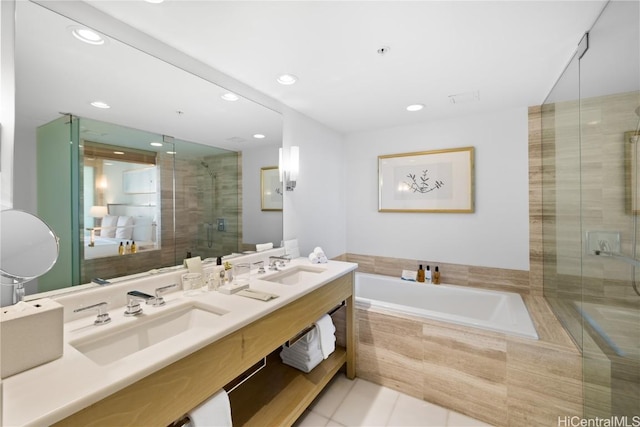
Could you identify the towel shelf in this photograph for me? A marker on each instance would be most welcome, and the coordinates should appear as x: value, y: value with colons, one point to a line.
x: 291, y: 341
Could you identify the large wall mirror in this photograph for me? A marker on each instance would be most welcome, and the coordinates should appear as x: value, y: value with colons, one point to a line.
x: 173, y: 162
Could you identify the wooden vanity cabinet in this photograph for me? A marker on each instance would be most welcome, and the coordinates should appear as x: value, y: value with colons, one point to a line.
x: 275, y: 396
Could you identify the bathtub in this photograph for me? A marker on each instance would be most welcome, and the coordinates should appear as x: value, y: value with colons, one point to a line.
x: 496, y: 311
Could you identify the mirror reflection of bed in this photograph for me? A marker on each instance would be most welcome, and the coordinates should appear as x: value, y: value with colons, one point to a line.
x: 123, y: 224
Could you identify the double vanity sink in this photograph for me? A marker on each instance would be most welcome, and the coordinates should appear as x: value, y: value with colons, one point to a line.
x: 99, y: 360
x: 180, y: 319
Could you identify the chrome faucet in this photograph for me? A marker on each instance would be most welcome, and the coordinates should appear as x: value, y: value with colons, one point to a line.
x: 102, y: 318
x: 260, y: 264
x: 133, y: 307
x: 158, y: 301
x: 273, y: 261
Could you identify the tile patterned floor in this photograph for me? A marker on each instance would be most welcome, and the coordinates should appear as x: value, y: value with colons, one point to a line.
x: 346, y: 403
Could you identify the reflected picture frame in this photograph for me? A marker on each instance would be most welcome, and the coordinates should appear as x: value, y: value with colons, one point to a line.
x: 631, y: 171
x: 270, y: 189
x: 439, y: 181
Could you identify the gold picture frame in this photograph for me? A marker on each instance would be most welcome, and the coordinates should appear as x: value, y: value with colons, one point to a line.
x: 632, y: 168
x: 427, y: 181
x: 270, y: 189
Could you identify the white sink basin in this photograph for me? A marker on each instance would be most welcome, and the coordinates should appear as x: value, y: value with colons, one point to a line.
x: 294, y: 275
x: 147, y: 330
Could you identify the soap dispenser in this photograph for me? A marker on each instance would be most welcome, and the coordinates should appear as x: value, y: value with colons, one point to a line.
x: 420, y: 274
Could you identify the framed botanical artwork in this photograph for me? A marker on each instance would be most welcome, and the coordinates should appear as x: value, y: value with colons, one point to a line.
x: 271, y: 189
x: 427, y: 181
x: 632, y: 169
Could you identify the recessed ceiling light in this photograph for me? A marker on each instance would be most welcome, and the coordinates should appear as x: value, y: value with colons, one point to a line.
x: 415, y: 107
x: 108, y: 164
x: 156, y: 144
x: 171, y: 152
x: 230, y: 97
x: 86, y: 35
x: 118, y: 152
x: 258, y: 136
x: 287, y: 79
x: 154, y: 1
x: 100, y: 104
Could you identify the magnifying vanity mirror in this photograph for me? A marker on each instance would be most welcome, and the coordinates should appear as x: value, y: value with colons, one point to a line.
x: 28, y: 248
x: 171, y: 164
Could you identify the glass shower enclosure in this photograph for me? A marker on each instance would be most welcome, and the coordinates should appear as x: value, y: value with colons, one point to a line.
x: 591, y: 204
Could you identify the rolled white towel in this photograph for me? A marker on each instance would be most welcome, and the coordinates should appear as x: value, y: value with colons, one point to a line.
x: 314, y: 258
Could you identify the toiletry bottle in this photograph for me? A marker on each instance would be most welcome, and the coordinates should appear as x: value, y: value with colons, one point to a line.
x: 121, y: 249
x: 436, y: 277
x: 420, y: 274
x: 127, y: 249
x: 134, y: 248
x: 427, y: 275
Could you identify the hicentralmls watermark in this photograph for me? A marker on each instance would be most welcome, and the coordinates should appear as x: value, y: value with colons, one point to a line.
x: 615, y: 421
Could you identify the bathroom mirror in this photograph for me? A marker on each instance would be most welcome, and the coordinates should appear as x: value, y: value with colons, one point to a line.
x: 58, y: 76
x: 28, y: 248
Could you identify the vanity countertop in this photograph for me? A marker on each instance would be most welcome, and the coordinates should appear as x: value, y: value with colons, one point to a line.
x: 50, y: 392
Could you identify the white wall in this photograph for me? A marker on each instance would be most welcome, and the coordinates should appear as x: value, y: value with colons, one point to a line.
x: 496, y: 235
x: 258, y: 226
x: 315, y: 212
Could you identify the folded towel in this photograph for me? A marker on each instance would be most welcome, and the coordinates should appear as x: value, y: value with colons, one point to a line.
x: 312, y: 358
x: 215, y: 411
x: 310, y: 341
x: 326, y: 330
x: 303, y: 365
x: 303, y: 355
x: 264, y: 246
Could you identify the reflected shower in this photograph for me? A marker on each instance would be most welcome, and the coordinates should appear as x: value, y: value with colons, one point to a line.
x: 209, y: 225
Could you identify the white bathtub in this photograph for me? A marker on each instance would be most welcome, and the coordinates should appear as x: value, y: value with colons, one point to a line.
x: 492, y: 310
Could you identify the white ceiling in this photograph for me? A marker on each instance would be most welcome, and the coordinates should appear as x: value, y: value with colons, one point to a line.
x: 511, y: 52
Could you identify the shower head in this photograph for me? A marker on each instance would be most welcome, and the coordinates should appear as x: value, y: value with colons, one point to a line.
x: 206, y: 165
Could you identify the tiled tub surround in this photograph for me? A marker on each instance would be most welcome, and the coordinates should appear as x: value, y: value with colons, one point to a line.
x: 500, y: 379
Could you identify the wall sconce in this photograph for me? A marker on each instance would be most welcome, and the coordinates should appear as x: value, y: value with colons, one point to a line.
x: 96, y: 212
x: 289, y: 166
